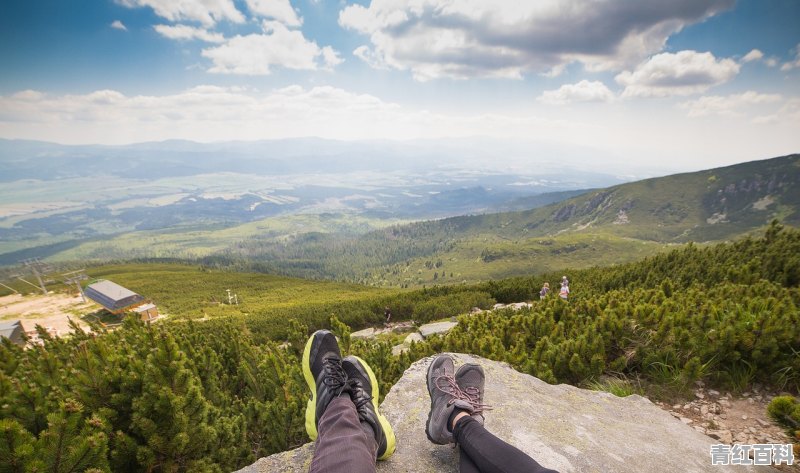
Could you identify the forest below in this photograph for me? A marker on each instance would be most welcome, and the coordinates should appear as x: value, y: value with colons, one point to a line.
x: 214, y: 395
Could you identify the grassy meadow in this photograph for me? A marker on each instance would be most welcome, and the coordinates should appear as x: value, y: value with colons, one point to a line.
x: 190, y: 291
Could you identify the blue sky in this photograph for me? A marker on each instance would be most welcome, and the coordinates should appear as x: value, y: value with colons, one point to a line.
x: 689, y: 83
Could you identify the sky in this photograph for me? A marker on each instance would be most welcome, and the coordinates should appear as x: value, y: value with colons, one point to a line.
x: 684, y: 84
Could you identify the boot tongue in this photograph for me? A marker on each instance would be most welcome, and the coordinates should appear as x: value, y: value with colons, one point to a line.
x: 463, y: 405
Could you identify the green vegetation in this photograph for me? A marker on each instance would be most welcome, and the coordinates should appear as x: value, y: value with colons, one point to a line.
x: 184, y: 395
x: 785, y: 410
x: 620, y: 387
x: 190, y: 291
x: 203, y: 240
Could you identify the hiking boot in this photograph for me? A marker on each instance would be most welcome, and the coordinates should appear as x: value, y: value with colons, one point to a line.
x: 446, y: 397
x: 365, y: 394
x: 470, y: 379
x: 323, y: 372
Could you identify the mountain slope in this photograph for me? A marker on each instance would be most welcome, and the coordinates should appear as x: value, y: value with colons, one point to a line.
x: 701, y: 206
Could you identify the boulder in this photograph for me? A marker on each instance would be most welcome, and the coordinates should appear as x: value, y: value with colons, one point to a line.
x: 520, y: 305
x: 366, y: 333
x: 560, y: 426
x: 412, y: 337
x: 397, y: 350
x: 437, y: 327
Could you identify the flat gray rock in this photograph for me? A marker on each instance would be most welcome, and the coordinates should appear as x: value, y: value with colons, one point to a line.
x: 366, y: 333
x: 397, y: 350
x: 437, y: 327
x: 560, y: 426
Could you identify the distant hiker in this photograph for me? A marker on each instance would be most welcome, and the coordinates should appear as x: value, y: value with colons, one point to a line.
x: 564, y: 281
x: 342, y: 414
x: 388, y: 314
x: 564, y: 292
x: 545, y: 290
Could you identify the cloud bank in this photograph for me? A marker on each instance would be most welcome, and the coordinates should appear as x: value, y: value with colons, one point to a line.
x: 209, y: 113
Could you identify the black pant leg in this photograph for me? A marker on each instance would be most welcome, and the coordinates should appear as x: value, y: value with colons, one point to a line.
x: 490, y: 454
x: 465, y: 463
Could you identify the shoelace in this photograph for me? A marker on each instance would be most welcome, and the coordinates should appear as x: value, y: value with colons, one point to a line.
x: 361, y: 395
x: 335, y: 376
x: 471, y: 395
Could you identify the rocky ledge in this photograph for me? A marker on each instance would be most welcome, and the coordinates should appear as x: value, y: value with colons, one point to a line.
x: 561, y: 426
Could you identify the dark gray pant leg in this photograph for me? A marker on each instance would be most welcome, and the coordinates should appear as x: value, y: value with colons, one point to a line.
x: 342, y: 445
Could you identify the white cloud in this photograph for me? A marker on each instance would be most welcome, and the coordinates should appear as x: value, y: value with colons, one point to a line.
x: 280, y: 10
x: 185, y: 32
x: 118, y: 25
x: 788, y: 66
x: 583, y: 91
x: 330, y: 57
x: 370, y: 57
x: 256, y: 54
x: 681, y: 73
x: 730, y: 106
x: 753, y: 55
x: 758, y: 55
x: 207, y: 12
x: 507, y: 38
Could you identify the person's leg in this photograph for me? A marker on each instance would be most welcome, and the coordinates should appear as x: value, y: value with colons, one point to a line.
x: 470, y: 379
x: 490, y: 454
x: 465, y: 463
x: 343, y: 446
x: 365, y: 393
x: 456, y: 415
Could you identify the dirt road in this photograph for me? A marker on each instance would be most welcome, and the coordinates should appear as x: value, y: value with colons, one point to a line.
x: 52, y: 310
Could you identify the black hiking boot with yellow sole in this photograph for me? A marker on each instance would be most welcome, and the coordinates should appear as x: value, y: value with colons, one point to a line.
x: 323, y: 372
x: 364, y: 391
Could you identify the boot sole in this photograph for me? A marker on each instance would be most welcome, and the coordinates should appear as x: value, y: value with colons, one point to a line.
x: 391, y: 441
x: 311, y: 407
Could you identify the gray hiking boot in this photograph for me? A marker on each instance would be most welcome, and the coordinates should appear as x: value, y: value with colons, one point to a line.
x: 445, y: 398
x: 470, y: 379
